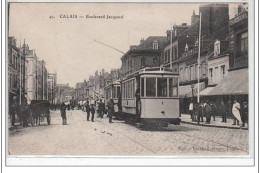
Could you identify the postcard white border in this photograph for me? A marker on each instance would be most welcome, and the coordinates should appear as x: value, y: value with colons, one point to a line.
x: 144, y: 161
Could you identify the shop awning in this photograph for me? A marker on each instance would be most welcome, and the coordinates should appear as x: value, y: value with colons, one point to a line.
x: 186, y: 90
x: 235, y: 83
x: 206, y: 91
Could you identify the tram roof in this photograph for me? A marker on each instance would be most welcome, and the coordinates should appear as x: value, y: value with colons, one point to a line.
x: 117, y: 82
x: 151, y: 70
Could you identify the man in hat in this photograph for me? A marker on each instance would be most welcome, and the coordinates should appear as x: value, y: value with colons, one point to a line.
x: 110, y: 106
x: 63, y: 113
x: 88, y: 110
x: 223, y: 111
x: 244, y: 113
x: 92, y: 110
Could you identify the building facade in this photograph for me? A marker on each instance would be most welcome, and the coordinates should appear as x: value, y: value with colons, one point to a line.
x: 146, y: 54
x: 16, y: 73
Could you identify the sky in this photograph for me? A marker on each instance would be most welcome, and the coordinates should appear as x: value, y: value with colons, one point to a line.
x: 68, y: 46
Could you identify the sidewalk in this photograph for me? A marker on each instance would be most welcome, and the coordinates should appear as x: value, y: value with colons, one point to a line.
x: 185, y: 118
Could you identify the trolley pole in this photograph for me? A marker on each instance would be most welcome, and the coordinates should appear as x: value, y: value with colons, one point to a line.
x: 171, y: 50
x: 198, y: 96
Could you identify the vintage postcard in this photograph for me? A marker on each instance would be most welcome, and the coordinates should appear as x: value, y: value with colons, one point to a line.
x: 129, y: 80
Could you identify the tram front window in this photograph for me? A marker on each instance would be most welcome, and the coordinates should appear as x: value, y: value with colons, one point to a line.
x: 150, y: 87
x: 162, y: 87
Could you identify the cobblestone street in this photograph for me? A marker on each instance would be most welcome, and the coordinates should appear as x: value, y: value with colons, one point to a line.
x: 81, y: 137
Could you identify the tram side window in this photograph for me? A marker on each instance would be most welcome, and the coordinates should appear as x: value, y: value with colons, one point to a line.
x: 142, y: 87
x: 118, y: 91
x: 150, y: 87
x: 162, y: 87
x: 173, y: 87
x: 123, y: 90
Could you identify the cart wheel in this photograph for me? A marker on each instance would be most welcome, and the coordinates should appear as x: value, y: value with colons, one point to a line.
x: 32, y: 121
x: 49, y: 120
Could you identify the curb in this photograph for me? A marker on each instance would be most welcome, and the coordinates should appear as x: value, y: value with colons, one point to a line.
x: 217, y: 126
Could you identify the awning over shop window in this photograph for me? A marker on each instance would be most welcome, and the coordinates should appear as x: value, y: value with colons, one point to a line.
x: 206, y: 91
x: 235, y: 83
x: 186, y: 91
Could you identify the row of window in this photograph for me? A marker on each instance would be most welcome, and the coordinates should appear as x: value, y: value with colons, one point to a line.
x: 215, y: 75
x: 173, y: 54
x: 191, y: 72
x: 159, y: 87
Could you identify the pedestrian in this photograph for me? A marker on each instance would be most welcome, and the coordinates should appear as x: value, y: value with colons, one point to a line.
x: 222, y: 110
x: 12, y: 113
x: 101, y: 108
x: 110, y: 106
x: 200, y: 112
x: 244, y: 114
x: 191, y: 111
x: 92, y: 110
x: 195, y: 112
x: 213, y: 110
x: 236, y: 112
x: 88, y: 110
x: 24, y: 115
x: 208, y: 112
x: 63, y: 113
x: 68, y: 107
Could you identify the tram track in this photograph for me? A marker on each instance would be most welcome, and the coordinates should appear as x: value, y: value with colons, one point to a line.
x: 131, y: 139
x: 179, y: 140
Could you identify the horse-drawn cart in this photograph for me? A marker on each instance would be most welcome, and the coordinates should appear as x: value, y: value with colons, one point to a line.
x: 39, y: 109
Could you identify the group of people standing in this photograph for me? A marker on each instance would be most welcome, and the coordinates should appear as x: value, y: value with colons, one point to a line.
x: 90, y: 109
x: 22, y: 112
x: 210, y: 110
x: 101, y: 110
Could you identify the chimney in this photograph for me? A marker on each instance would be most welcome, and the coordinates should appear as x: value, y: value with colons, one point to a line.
x: 142, y: 40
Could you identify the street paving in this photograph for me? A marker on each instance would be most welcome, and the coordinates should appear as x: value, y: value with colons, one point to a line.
x: 81, y: 137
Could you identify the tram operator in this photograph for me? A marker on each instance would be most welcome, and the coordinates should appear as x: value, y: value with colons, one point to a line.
x: 110, y: 106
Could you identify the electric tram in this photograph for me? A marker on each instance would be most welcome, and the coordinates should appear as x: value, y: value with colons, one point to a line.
x: 150, y: 97
x: 113, y: 91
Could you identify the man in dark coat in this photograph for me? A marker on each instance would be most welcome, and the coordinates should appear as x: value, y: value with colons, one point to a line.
x: 222, y: 110
x: 244, y: 113
x: 12, y: 113
x: 88, y: 110
x: 92, y: 110
x: 213, y: 110
x: 110, y: 106
x: 63, y: 113
x: 200, y: 112
x: 208, y: 112
x: 101, y: 108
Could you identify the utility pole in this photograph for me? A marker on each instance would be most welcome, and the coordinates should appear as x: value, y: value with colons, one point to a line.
x: 20, y: 74
x: 42, y: 80
x: 24, y: 63
x: 198, y: 96
x: 36, y: 77
x: 47, y: 86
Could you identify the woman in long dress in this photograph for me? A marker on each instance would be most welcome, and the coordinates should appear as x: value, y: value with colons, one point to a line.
x: 236, y: 112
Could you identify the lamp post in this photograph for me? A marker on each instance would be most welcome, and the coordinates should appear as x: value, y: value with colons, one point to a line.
x: 192, y: 86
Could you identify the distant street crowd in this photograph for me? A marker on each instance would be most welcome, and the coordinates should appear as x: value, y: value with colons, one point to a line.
x: 209, y: 109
